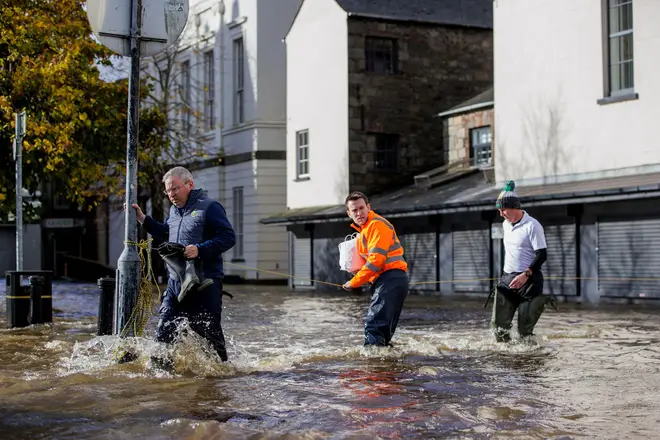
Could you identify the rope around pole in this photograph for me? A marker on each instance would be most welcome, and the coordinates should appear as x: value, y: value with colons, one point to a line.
x: 146, y: 303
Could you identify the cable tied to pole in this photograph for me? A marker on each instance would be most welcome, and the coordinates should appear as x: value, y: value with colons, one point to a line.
x: 146, y: 301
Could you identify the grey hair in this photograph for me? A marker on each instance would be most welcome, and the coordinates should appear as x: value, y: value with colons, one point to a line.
x: 179, y: 172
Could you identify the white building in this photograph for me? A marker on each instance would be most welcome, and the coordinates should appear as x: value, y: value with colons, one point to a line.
x: 575, y: 105
x: 230, y: 73
x: 575, y: 99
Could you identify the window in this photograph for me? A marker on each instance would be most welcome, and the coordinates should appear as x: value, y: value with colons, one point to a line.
x: 239, y: 81
x: 380, y: 55
x: 237, y: 220
x: 386, y: 151
x: 302, y: 153
x: 619, y: 55
x: 184, y: 94
x: 481, y: 146
x: 209, y: 91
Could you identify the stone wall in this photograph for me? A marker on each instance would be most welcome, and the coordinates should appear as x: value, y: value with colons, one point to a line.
x: 437, y: 68
x: 457, y: 134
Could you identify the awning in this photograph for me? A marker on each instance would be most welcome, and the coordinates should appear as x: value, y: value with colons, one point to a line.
x: 473, y: 192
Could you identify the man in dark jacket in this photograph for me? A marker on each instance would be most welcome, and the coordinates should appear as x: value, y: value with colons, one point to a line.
x: 201, y: 225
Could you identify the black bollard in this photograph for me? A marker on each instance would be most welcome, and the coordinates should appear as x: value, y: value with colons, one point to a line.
x: 47, y: 299
x: 18, y: 301
x: 106, y: 306
x: 36, y: 293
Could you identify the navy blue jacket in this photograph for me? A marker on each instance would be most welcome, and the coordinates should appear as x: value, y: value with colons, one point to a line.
x: 202, y: 222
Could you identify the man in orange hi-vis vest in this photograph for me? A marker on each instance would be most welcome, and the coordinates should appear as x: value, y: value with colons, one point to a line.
x: 385, y: 268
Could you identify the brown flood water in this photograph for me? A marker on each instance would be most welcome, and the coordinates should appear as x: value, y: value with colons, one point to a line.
x: 298, y: 370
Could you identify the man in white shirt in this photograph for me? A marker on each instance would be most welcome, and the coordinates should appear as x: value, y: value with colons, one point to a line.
x: 521, y: 285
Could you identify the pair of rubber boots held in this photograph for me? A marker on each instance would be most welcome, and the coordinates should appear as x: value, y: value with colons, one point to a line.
x: 190, y: 272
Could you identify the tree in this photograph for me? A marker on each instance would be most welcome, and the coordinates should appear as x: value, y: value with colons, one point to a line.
x: 47, y: 67
x: 76, y: 121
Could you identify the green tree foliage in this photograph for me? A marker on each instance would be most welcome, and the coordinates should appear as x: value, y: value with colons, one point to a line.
x: 76, y: 128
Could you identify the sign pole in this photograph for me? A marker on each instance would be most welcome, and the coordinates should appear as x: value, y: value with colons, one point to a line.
x: 128, y: 265
x: 135, y: 29
x: 18, y: 157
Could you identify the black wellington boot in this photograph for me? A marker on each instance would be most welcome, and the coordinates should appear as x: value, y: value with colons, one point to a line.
x: 190, y: 274
x: 194, y: 271
x: 172, y: 255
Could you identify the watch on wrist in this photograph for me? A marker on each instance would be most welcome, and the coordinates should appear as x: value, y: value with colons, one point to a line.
x: 528, y: 272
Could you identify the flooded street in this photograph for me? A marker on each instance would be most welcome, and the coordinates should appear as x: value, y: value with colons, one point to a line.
x: 298, y: 370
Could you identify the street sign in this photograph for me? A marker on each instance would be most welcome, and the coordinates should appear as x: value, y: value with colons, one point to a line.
x: 62, y: 223
x: 162, y: 22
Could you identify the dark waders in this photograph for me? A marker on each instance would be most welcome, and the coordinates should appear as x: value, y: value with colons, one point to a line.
x: 528, y: 301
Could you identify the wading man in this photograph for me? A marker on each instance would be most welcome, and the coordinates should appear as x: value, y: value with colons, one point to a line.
x: 521, y: 285
x: 385, y: 268
x: 197, y: 227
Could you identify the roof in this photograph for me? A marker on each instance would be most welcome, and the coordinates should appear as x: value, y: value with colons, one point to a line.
x: 472, y: 13
x: 467, y: 13
x: 471, y: 191
x: 482, y: 100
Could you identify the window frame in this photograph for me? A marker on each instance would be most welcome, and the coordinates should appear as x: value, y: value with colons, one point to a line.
x: 474, y: 159
x: 610, y: 93
x: 238, y: 221
x: 209, y: 89
x: 238, y: 51
x: 185, y: 95
x: 373, y: 47
x: 300, y: 148
x: 386, y: 145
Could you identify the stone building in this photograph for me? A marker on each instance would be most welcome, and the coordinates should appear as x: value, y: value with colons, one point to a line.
x: 364, y: 80
x: 399, y: 73
x: 468, y: 132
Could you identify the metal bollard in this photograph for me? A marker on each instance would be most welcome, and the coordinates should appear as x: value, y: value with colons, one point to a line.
x: 106, y: 306
x: 36, y: 293
x: 18, y: 302
x: 47, y: 300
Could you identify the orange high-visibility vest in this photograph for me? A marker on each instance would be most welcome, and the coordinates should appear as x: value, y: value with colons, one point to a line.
x: 380, y: 247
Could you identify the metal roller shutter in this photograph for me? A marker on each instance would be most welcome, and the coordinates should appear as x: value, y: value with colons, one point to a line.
x: 628, y: 249
x: 561, y: 262
x: 302, y: 261
x: 419, y: 250
x: 471, y: 255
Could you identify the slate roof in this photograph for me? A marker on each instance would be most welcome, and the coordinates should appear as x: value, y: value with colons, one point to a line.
x: 483, y: 99
x: 473, y: 13
x: 471, y: 191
